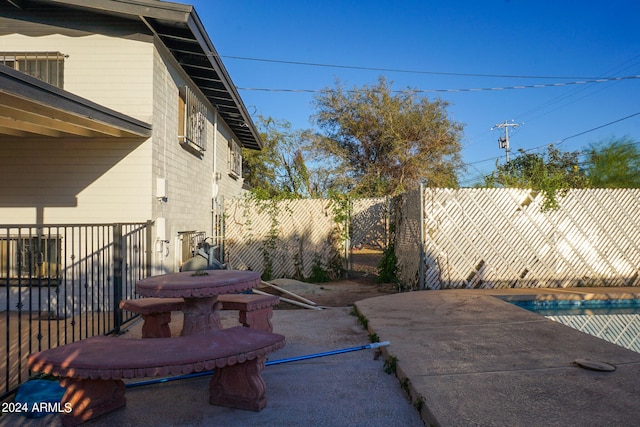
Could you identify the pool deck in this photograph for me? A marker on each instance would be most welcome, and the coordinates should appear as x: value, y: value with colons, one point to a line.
x: 476, y: 360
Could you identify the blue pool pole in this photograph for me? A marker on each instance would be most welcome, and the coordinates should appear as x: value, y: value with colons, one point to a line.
x: 268, y: 363
x: 328, y: 353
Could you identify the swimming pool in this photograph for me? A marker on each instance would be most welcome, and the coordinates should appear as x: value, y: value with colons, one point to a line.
x: 613, y: 320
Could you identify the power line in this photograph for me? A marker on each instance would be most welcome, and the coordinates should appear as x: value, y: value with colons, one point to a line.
x: 586, y: 131
x: 396, y: 70
x: 566, y: 97
x: 560, y: 141
x: 536, y: 86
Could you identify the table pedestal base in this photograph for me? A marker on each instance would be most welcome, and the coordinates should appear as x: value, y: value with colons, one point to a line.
x: 201, y: 315
x: 239, y: 386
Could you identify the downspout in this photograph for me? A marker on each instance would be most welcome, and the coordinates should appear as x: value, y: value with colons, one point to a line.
x: 215, y: 149
x: 216, y: 179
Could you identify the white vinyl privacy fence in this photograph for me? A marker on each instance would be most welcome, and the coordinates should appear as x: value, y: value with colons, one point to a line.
x: 499, y: 238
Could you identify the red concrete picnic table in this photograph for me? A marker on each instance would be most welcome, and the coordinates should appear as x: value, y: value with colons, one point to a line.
x: 200, y: 290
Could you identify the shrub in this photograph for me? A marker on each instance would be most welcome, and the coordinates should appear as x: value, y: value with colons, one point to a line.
x: 388, y: 266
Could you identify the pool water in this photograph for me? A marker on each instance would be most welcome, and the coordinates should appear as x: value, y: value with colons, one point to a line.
x: 616, y: 320
x: 578, y: 307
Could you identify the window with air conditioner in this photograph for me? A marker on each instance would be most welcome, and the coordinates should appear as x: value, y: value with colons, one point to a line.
x: 30, y: 257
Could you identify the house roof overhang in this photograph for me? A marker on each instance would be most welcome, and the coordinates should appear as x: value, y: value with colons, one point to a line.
x: 180, y: 30
x: 30, y: 107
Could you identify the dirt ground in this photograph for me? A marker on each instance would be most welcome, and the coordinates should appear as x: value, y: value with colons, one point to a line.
x: 360, y: 284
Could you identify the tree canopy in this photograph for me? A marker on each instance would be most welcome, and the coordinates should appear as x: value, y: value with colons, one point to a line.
x: 287, y: 166
x: 375, y: 142
x: 278, y: 169
x: 613, y: 163
x: 382, y: 143
x: 551, y: 173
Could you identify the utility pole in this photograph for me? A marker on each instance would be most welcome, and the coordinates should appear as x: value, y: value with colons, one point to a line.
x: 503, y: 141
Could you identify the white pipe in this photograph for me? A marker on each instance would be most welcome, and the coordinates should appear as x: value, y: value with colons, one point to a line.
x: 289, y: 293
x: 301, y: 304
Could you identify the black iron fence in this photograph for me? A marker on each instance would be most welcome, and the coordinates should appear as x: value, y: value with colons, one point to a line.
x: 63, y: 283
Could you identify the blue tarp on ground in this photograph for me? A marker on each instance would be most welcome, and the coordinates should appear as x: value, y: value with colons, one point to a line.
x: 37, y: 398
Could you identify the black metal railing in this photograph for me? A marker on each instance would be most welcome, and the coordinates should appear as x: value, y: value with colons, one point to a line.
x: 63, y: 283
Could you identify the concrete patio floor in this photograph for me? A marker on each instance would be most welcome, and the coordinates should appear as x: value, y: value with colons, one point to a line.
x: 349, y: 389
x: 466, y: 357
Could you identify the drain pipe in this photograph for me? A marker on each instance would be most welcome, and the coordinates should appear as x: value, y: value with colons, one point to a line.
x: 268, y: 363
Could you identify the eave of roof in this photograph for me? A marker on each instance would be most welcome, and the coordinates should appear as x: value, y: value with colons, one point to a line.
x: 181, y: 31
x: 30, y: 107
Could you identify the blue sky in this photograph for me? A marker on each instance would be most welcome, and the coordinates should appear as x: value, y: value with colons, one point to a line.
x: 562, y: 40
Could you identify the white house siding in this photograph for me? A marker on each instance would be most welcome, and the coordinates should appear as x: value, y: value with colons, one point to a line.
x: 79, y: 179
x: 113, y: 72
x: 61, y: 181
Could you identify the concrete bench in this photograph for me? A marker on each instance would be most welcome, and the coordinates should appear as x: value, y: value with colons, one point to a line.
x: 255, y: 311
x: 92, y: 370
x: 156, y: 313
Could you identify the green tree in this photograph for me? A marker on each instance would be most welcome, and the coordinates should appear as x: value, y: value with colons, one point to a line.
x: 280, y: 168
x: 381, y: 143
x: 614, y: 163
x: 551, y: 173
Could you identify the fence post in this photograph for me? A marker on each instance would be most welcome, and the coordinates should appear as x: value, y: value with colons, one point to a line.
x: 387, y: 220
x: 347, y: 242
x: 422, y: 260
x: 117, y: 277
